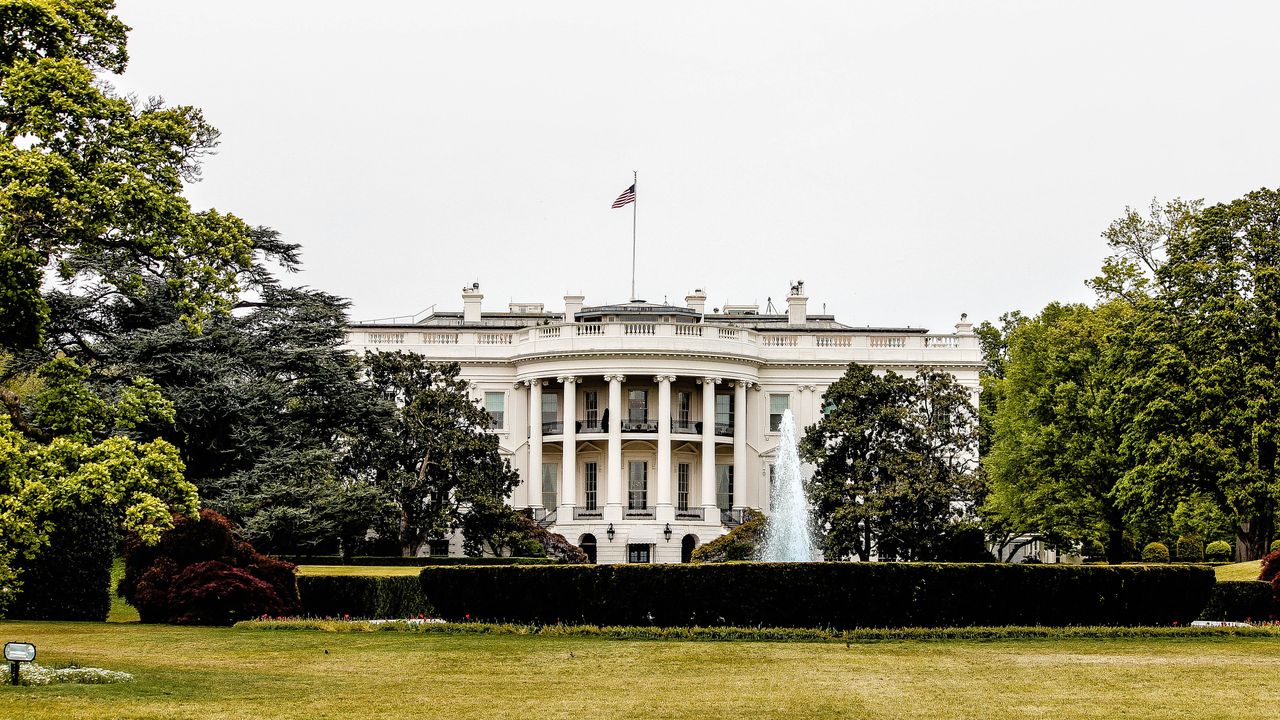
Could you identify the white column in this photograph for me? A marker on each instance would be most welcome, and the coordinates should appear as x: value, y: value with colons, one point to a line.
x: 740, y: 444
x: 569, y: 496
x: 709, y: 447
x: 614, y: 497
x: 665, y: 512
x: 535, y: 443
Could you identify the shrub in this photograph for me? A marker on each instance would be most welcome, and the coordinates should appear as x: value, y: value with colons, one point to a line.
x: 214, y: 593
x: 71, y: 578
x: 1093, y: 549
x: 400, y: 561
x: 157, y: 582
x: 1189, y: 548
x: 839, y: 595
x: 1218, y: 551
x: 1270, y: 568
x: 1240, y: 600
x: 1155, y: 553
x: 1275, y: 546
x: 740, y: 543
x: 362, y: 596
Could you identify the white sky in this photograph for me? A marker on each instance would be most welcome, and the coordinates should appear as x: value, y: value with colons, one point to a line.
x: 908, y: 160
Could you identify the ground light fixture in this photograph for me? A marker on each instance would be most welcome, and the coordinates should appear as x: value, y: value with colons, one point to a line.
x: 666, y: 532
x: 609, y: 532
x: 15, y: 653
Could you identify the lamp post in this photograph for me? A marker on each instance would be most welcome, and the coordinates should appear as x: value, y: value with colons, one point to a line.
x: 667, y: 532
x: 16, y: 652
x: 609, y: 532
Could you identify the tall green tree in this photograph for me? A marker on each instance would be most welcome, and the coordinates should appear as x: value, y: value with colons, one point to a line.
x: 895, y: 464
x: 1055, y: 460
x: 91, y: 183
x: 435, y: 459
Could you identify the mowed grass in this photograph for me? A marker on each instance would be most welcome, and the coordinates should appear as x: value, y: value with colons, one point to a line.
x: 1239, y: 571
x: 213, y: 673
x: 376, y: 570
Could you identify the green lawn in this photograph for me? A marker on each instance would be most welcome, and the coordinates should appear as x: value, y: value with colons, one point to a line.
x: 121, y: 611
x: 380, y: 570
x: 1239, y: 571
x: 228, y: 673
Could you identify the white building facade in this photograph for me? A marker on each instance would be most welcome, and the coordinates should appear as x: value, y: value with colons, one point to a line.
x: 642, y: 430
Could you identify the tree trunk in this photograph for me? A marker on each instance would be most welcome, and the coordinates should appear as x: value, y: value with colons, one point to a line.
x: 1115, y: 547
x: 1253, y: 538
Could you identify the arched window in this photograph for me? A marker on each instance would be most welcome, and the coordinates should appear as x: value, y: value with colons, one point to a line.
x: 686, y: 548
x: 588, y: 544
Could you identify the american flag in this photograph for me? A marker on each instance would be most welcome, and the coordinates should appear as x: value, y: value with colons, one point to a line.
x: 627, y: 196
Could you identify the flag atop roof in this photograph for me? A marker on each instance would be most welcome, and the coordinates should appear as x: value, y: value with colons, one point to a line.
x: 627, y: 196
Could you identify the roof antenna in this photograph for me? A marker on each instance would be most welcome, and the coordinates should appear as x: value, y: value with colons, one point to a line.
x: 770, y: 309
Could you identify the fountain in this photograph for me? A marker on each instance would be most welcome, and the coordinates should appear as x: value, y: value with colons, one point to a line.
x: 788, y: 535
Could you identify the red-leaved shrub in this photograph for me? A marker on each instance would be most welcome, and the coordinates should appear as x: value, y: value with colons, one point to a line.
x: 1271, y: 568
x: 214, y: 593
x: 162, y: 581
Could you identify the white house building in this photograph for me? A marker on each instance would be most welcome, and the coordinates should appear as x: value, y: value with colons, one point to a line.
x: 642, y: 430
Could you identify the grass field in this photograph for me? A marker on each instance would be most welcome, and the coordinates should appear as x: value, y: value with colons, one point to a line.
x: 233, y: 673
x: 379, y: 570
x: 1239, y: 571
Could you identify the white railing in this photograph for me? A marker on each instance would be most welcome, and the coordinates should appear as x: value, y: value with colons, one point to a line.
x: 493, y: 338
x: 638, y: 329
x: 834, y: 341
x: 589, y: 329
x: 728, y: 333
x: 689, y: 331
x: 386, y: 338
x: 888, y: 342
x: 944, y: 341
x: 545, y: 333
x: 439, y: 338
x: 779, y: 340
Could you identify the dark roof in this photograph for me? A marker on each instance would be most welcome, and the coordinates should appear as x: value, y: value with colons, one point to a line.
x: 636, y: 307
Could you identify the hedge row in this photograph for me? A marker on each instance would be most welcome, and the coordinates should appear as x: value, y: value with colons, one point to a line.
x: 833, y: 595
x: 71, y: 578
x: 400, y: 561
x: 359, y: 596
x: 1241, y: 600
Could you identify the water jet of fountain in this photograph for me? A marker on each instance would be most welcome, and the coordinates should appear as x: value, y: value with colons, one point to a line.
x: 788, y: 534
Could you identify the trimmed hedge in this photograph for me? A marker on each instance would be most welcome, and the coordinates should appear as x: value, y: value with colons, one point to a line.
x: 336, y: 596
x: 1155, y: 553
x: 400, y: 561
x: 1218, y: 551
x: 833, y: 595
x: 71, y: 578
x: 1240, y: 600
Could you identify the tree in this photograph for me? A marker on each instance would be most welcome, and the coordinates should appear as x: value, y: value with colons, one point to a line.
x: 63, y: 448
x: 435, y: 459
x: 1201, y: 360
x: 895, y: 463
x: 1055, y: 459
x: 91, y: 183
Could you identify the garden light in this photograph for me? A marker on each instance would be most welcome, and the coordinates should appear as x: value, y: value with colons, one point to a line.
x: 16, y: 652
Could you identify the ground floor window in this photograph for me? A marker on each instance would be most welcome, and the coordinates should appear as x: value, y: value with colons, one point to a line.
x: 438, y: 548
x: 724, y: 486
x: 637, y: 553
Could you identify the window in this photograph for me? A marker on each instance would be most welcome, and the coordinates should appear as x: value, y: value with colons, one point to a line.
x: 588, y: 545
x: 438, y: 548
x: 592, y: 403
x: 550, y: 473
x: 724, y: 413
x: 637, y: 553
x: 778, y: 404
x: 638, y: 486
x: 684, y: 404
x: 590, y: 484
x: 638, y: 406
x: 724, y: 486
x: 682, y: 486
x: 550, y: 408
x: 495, y: 403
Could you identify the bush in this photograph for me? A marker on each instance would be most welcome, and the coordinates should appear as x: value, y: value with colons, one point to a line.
x: 1093, y: 550
x: 839, y: 595
x: 71, y: 578
x: 1189, y: 548
x: 1271, y: 568
x: 1155, y: 553
x: 359, y: 596
x: 400, y: 561
x: 740, y: 543
x: 1275, y: 546
x: 1218, y: 551
x: 214, y: 593
x: 157, y: 582
x: 1240, y: 600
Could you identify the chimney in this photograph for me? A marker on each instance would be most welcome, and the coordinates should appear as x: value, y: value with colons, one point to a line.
x: 797, y: 304
x: 964, y: 327
x: 696, y: 301
x: 572, y: 306
x: 471, y: 298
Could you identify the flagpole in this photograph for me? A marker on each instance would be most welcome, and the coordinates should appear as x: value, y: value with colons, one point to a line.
x: 634, y: 179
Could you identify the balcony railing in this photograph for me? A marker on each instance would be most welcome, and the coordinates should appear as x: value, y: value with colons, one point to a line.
x: 544, y: 517
x: 686, y: 426
x: 587, y: 513
x: 724, y: 429
x: 733, y: 517
x: 552, y: 428
x: 646, y: 512
x: 693, y: 513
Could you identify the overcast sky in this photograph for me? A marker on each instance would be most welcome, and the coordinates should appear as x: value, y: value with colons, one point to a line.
x: 908, y: 161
